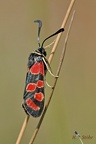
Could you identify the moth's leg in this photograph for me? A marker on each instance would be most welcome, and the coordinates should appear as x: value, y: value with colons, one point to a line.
x: 50, y: 44
x: 49, y: 68
x: 48, y: 85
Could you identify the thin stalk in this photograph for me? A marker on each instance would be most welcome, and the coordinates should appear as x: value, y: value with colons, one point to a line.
x: 55, y: 81
x: 22, y: 129
x: 62, y: 26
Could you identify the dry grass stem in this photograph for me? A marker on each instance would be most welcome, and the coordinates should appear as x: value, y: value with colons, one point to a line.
x: 62, y: 26
x: 55, y: 81
x: 50, y: 59
x: 22, y: 129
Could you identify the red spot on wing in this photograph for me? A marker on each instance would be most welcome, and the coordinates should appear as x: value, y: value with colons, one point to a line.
x: 37, y: 68
x: 41, y: 68
x: 40, y: 83
x: 39, y: 96
x: 32, y: 105
x: 31, y: 87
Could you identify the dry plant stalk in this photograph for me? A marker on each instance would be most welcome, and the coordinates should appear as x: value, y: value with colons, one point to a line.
x: 50, y: 59
x: 55, y: 81
x: 62, y: 26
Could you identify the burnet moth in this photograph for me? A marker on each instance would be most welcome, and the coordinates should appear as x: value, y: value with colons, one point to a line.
x: 33, y: 98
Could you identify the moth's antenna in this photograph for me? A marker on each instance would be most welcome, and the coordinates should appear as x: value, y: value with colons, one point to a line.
x: 39, y: 28
x: 59, y: 31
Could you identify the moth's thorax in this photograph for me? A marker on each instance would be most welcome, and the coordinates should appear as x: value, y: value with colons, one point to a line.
x: 36, y: 56
x: 42, y: 51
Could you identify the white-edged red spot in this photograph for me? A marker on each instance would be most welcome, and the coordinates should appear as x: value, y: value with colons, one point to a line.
x: 32, y: 105
x: 40, y: 83
x: 39, y: 96
x: 31, y: 87
x: 37, y: 68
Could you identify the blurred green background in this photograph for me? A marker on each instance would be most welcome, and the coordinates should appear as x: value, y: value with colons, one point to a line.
x: 73, y: 106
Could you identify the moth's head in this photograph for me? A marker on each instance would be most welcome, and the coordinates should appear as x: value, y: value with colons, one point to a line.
x: 41, y: 49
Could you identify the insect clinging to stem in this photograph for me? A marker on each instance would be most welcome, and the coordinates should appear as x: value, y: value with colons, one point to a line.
x: 34, y: 97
